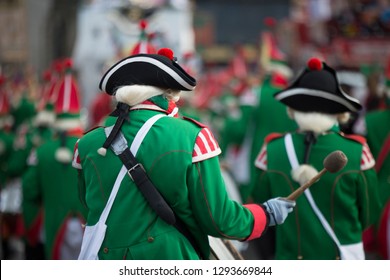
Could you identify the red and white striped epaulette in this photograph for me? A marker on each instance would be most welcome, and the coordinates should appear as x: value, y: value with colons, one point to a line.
x: 261, y: 159
x: 205, y: 144
x: 367, y: 160
x: 76, y: 162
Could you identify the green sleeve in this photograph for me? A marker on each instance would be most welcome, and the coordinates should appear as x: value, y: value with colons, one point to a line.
x: 216, y: 214
x: 368, y: 198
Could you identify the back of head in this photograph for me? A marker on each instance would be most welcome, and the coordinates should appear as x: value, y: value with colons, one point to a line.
x: 316, y: 99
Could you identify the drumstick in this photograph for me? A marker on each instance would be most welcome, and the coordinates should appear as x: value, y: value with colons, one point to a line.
x: 233, y: 250
x: 333, y: 163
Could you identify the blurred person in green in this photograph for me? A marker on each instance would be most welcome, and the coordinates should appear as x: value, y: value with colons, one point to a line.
x: 331, y: 215
x: 179, y: 155
x: 378, y: 138
x: 50, y: 182
x: 7, y: 215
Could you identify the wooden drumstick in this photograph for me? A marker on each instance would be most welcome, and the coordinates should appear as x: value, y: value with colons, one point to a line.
x: 333, y: 163
x: 236, y: 254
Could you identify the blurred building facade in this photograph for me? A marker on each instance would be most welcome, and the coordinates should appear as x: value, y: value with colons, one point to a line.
x: 96, y: 32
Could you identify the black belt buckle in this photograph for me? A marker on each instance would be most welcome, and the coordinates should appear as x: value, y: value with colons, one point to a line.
x: 133, y: 168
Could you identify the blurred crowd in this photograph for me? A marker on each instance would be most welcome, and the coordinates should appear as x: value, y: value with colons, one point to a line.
x: 42, y: 115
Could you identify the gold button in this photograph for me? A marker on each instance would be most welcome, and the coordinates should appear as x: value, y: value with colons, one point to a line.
x: 105, y: 250
x: 300, y: 257
x: 338, y: 257
x: 150, y: 239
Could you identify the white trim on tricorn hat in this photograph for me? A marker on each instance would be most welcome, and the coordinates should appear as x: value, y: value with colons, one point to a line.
x: 317, y: 89
x: 318, y: 93
x: 147, y: 69
x: 146, y: 75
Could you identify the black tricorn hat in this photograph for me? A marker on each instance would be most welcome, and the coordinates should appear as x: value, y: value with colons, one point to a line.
x: 159, y: 70
x: 317, y: 89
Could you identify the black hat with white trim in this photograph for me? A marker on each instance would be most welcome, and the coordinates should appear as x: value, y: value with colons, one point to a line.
x: 317, y: 89
x: 158, y: 70
x: 155, y: 70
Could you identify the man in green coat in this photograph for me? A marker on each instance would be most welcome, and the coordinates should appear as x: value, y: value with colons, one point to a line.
x: 332, y: 214
x: 7, y: 205
x: 180, y: 158
x: 378, y: 138
x: 6, y: 135
x: 50, y: 182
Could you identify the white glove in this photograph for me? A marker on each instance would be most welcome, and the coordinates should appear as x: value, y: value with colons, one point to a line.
x: 278, y: 209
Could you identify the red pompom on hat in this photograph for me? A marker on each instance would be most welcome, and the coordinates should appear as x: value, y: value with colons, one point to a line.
x: 46, y: 75
x: 314, y: 63
x: 58, y: 66
x: 157, y: 70
x: 270, y: 21
x: 143, y: 24
x: 2, y: 80
x: 143, y: 45
x: 4, y: 102
x: 166, y: 52
x: 68, y: 63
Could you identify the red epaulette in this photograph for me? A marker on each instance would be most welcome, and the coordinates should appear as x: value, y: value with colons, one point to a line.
x: 77, y: 132
x: 367, y: 160
x: 358, y: 138
x: 195, y: 122
x: 272, y: 136
x: 261, y: 160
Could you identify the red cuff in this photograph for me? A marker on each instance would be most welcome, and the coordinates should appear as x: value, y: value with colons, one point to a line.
x: 260, y: 220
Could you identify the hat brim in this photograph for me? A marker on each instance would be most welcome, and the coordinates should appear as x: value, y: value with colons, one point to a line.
x: 147, y: 69
x: 310, y: 100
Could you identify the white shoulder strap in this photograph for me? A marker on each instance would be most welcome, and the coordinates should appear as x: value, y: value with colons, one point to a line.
x: 292, y: 156
x: 94, y: 235
x: 294, y: 164
x: 134, y: 149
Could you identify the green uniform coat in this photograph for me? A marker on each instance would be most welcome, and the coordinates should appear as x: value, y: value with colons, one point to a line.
x: 6, y: 140
x: 53, y: 185
x: 378, y: 129
x: 180, y: 157
x: 348, y: 199
x: 378, y: 132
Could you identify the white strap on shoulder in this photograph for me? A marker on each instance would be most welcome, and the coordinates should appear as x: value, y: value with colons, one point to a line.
x: 134, y: 149
x: 142, y: 133
x: 292, y: 156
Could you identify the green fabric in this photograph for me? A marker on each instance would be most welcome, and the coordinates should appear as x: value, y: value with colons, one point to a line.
x: 196, y: 192
x: 21, y: 147
x: 6, y: 141
x: 348, y: 199
x: 378, y: 129
x: 40, y: 135
x: 53, y: 185
x: 235, y: 128
x: 22, y: 112
x: 269, y: 116
x: 160, y: 101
